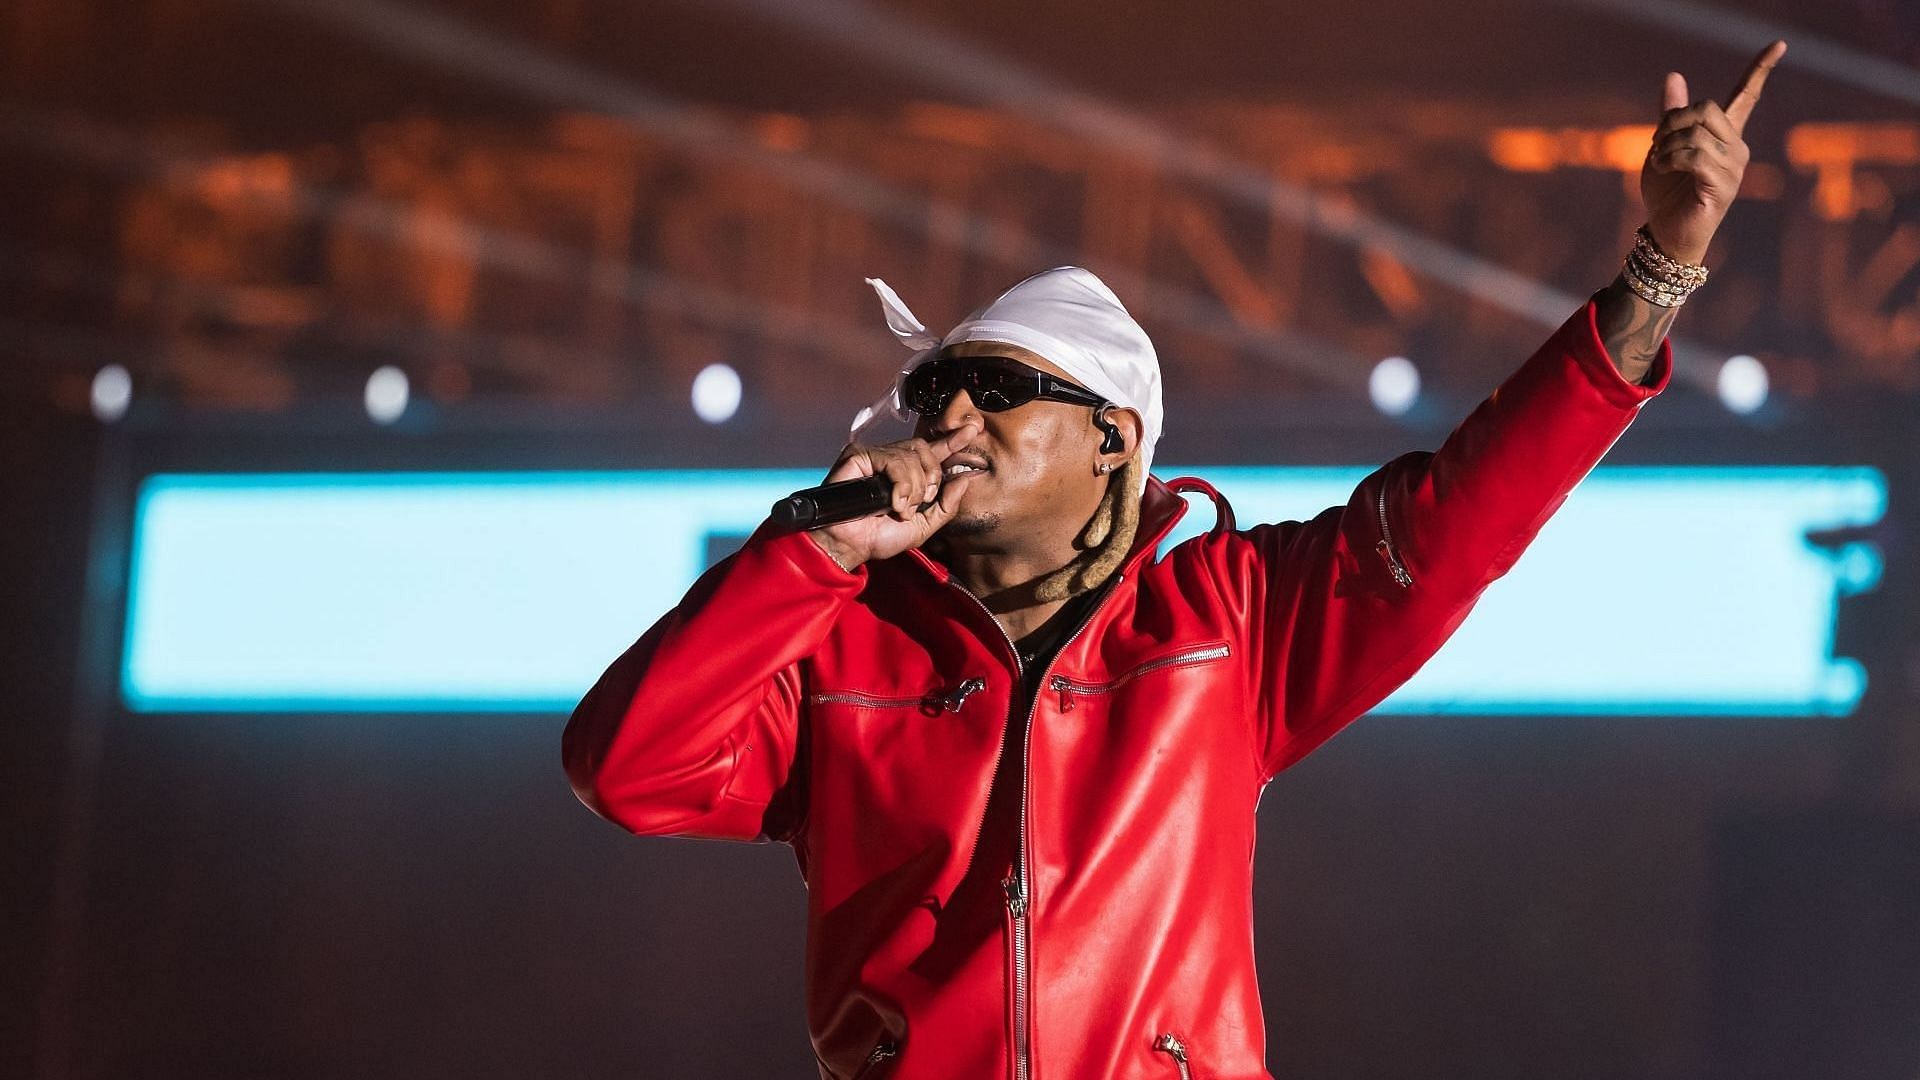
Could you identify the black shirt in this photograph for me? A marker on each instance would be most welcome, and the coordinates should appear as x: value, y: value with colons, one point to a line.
x: 1038, y: 647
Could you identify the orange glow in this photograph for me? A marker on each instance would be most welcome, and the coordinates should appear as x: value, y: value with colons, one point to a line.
x: 1620, y: 149
x: 1833, y: 151
x: 950, y: 123
x: 1523, y: 150
x: 782, y: 131
x: 511, y: 250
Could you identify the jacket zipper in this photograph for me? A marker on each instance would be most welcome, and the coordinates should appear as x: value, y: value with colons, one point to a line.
x: 951, y: 701
x: 1018, y: 887
x: 1171, y: 1044
x: 1385, y: 546
x: 1067, y: 688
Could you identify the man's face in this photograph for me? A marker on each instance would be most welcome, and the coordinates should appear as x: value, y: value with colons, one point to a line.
x: 1039, y: 459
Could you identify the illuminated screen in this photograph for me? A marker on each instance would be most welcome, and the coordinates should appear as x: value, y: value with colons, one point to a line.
x: 1670, y: 591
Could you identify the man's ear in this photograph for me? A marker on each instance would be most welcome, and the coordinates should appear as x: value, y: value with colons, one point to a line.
x: 1127, y: 425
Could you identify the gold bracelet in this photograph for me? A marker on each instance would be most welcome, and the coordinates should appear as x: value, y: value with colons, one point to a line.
x: 1666, y: 266
x: 1656, y: 277
x: 1652, y: 291
x: 829, y: 554
x: 841, y: 565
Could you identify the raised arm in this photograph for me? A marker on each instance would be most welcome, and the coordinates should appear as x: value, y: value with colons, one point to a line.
x: 1346, y: 607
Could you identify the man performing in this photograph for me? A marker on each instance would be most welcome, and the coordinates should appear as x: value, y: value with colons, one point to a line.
x: 1016, y: 754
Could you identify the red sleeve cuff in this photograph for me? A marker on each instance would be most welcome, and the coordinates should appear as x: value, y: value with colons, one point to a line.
x: 1591, y: 352
x: 799, y: 550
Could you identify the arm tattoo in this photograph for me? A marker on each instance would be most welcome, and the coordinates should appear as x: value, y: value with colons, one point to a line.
x: 1631, y: 328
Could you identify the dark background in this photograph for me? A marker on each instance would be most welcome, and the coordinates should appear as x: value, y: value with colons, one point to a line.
x: 352, y: 895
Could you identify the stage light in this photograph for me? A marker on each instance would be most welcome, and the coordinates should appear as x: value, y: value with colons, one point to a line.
x: 716, y: 393
x: 112, y: 393
x: 386, y: 394
x: 1394, y: 385
x: 1742, y: 384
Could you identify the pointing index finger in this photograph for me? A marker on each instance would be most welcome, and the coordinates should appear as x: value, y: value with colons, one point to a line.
x: 1747, y: 94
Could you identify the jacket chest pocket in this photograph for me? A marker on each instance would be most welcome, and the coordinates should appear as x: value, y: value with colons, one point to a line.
x: 949, y: 699
x: 1072, y: 691
x: 870, y: 742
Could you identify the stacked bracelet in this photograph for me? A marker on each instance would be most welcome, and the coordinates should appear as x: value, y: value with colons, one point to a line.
x: 1657, y: 278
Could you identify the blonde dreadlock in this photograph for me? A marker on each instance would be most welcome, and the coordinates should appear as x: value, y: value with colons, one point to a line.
x: 1105, y: 541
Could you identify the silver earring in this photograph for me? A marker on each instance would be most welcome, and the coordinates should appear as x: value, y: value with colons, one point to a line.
x: 1104, y: 468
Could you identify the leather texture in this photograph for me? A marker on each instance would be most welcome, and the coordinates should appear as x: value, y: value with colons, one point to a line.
x: 860, y: 717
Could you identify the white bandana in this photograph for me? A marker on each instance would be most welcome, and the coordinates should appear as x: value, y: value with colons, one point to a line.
x: 1065, y: 314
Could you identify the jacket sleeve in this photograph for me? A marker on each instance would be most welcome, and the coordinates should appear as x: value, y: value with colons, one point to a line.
x: 1332, y: 629
x: 694, y: 731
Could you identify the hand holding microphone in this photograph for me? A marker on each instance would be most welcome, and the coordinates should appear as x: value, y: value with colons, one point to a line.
x: 917, y: 498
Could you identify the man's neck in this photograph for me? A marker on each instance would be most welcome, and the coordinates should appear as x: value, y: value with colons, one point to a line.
x: 1004, y: 573
x: 1004, y: 580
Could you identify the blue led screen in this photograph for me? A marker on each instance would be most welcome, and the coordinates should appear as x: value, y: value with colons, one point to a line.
x: 1671, y: 591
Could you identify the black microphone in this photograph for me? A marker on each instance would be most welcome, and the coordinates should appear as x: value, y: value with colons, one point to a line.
x: 831, y: 504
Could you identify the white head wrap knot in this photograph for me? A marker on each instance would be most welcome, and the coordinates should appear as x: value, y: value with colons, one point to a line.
x: 1065, y: 314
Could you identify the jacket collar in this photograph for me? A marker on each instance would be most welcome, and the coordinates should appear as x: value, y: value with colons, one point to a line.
x: 1161, y: 508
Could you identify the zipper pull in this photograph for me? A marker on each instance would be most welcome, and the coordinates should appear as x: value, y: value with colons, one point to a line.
x: 1060, y: 683
x: 959, y: 695
x: 1385, y: 546
x: 1016, y: 899
x: 1171, y: 1043
x: 1400, y: 575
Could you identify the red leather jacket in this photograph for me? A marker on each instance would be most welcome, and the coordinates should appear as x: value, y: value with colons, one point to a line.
x: 860, y: 718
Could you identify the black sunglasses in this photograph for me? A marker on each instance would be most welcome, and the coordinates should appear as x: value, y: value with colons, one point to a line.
x: 993, y: 383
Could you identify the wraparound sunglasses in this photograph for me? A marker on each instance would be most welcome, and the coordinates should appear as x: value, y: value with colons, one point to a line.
x: 992, y: 383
